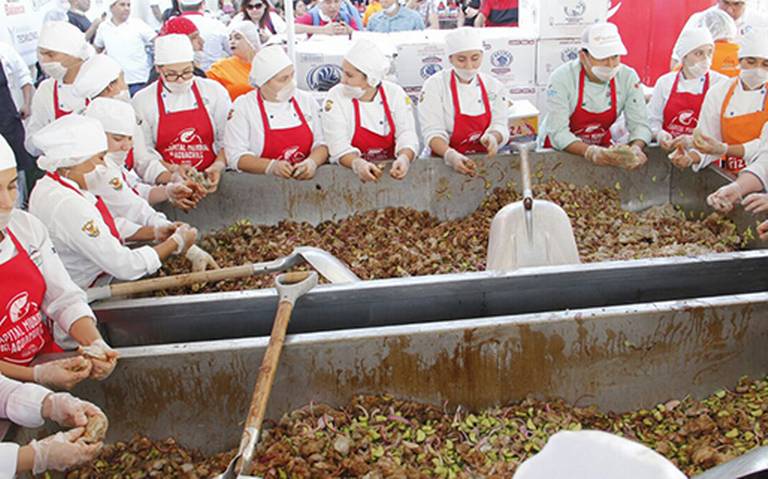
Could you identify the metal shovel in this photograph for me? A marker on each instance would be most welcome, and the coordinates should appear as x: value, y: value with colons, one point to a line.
x: 753, y: 465
x: 321, y: 261
x: 530, y: 232
x: 290, y: 286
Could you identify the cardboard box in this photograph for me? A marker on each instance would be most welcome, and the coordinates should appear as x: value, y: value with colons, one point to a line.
x: 562, y: 18
x: 523, y: 121
x: 510, y: 55
x: 415, y: 62
x: 551, y: 53
x: 318, y: 63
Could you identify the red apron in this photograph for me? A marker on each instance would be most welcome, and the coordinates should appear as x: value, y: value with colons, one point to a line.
x: 106, y: 216
x: 374, y: 147
x: 185, y: 137
x: 592, y: 128
x: 129, y: 162
x: 468, y: 129
x: 23, y: 334
x: 681, y: 113
x: 738, y: 130
x: 287, y: 144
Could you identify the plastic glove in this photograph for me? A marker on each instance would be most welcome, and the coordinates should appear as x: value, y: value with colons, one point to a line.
x: 724, y: 199
x: 665, y: 139
x: 103, y: 358
x: 164, y: 232
x: 365, y: 170
x: 680, y: 157
x: 184, y: 236
x: 305, y: 170
x: 213, y: 174
x: 640, y: 157
x: 69, y: 411
x: 756, y: 203
x: 762, y: 230
x: 459, y: 162
x: 684, y: 141
x: 281, y: 169
x: 200, y: 259
x: 180, y: 195
x: 62, y: 373
x: 490, y: 143
x: 601, y: 156
x: 708, y: 145
x: 63, y: 451
x: 400, y: 167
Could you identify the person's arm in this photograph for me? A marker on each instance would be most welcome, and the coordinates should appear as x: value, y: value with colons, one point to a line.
x: 90, y: 34
x: 560, y: 106
x: 433, y: 21
x: 147, y: 160
x: 338, y: 128
x: 480, y: 20
x: 433, y: 118
x: 499, y: 112
x: 243, y: 140
x: 42, y: 114
x: 656, y: 106
x: 27, y: 92
x: 406, y: 137
x: 635, y: 109
x: 709, y: 124
x: 98, y: 39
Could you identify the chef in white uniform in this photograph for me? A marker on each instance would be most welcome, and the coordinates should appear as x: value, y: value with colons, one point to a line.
x: 275, y: 129
x: 29, y: 405
x: 182, y: 117
x: 462, y: 111
x: 112, y: 183
x: 366, y: 119
x: 39, y: 284
x: 83, y: 230
x: 61, y: 50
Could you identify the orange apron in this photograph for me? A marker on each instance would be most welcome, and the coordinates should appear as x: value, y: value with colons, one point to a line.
x: 740, y: 129
x: 725, y: 59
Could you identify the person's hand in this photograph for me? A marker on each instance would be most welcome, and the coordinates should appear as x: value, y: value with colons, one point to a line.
x: 164, y: 232
x: 62, y: 373
x: 762, y: 230
x: 68, y: 411
x: 724, y: 199
x: 459, y: 162
x: 665, y: 140
x: 640, y: 157
x: 400, y: 167
x: 180, y: 196
x: 365, y: 170
x: 63, y: 451
x: 708, y: 145
x: 490, y: 143
x: 279, y: 168
x: 601, y: 156
x: 213, y: 174
x: 305, y: 170
x: 684, y: 141
x: 102, y: 357
x: 755, y: 203
x: 200, y: 259
x: 184, y: 236
x: 25, y: 111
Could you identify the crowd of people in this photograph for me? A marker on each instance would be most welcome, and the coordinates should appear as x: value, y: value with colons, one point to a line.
x: 105, y: 136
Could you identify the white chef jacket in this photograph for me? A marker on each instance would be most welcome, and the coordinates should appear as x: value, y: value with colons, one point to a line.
x: 21, y: 403
x: 16, y: 72
x: 215, y: 36
x: 244, y: 133
x: 436, y: 105
x: 215, y: 98
x: 742, y: 103
x: 759, y: 167
x: 146, y: 161
x: 127, y: 43
x: 663, y: 90
x: 81, y: 237
x: 43, y: 112
x: 338, y: 120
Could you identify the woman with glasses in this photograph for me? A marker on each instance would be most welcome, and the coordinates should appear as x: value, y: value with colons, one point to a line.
x: 263, y: 14
x: 183, y: 116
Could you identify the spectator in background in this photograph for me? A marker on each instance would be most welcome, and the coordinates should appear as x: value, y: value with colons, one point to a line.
x: 394, y: 18
x: 471, y: 8
x: 154, y: 11
x: 214, y: 33
x: 183, y: 26
x: 263, y: 14
x: 299, y: 8
x: 428, y: 11
x: 498, y: 13
x: 233, y: 72
x: 373, y: 7
x: 76, y: 16
x: 327, y: 18
x: 126, y: 39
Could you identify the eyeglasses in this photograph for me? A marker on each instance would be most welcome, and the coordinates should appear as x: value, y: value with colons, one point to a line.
x: 255, y: 6
x: 173, y: 76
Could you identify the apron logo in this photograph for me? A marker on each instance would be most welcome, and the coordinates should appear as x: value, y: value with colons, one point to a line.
x: 91, y: 229
x: 686, y: 118
x: 116, y: 184
x: 18, y: 307
x: 189, y: 135
x: 472, y: 138
x: 292, y: 155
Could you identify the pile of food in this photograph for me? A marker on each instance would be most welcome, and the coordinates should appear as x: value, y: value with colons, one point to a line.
x: 397, y: 242
x: 381, y: 437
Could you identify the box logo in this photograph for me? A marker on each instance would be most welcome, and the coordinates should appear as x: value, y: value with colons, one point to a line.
x: 571, y: 53
x: 575, y: 11
x: 430, y: 69
x: 324, y: 77
x: 502, y: 59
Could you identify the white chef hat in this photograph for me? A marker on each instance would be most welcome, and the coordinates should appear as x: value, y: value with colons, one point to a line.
x: 173, y: 48
x: 691, y: 39
x: 66, y: 38
x: 591, y: 454
x: 267, y: 63
x: 69, y: 141
x: 602, y: 40
x: 754, y: 44
x: 249, y: 30
x: 368, y: 58
x: 7, y: 158
x: 115, y: 116
x: 463, y: 39
x: 95, y: 75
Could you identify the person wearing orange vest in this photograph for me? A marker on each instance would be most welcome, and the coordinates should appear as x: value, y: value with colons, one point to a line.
x: 233, y: 72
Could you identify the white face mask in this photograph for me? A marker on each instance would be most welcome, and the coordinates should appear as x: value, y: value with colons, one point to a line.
x: 54, y: 70
x: 605, y: 74
x: 465, y: 74
x: 116, y: 157
x: 199, y: 58
x: 754, y: 78
x: 699, y: 69
x: 392, y: 8
x: 287, y: 92
x: 352, y: 91
x: 182, y: 87
x: 124, y: 95
x: 96, y: 178
x: 5, y: 218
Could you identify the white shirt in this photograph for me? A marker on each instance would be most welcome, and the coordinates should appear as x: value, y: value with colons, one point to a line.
x: 16, y: 72
x: 436, y: 112
x: 127, y: 44
x: 21, y: 403
x: 663, y: 90
x: 215, y: 36
x: 742, y: 103
x: 64, y: 302
x: 759, y: 167
x: 215, y: 98
x: 43, y: 111
x: 244, y: 133
x: 81, y: 237
x: 338, y: 120
x: 146, y: 160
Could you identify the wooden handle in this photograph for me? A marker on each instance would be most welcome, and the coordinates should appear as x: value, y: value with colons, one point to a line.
x: 294, y: 277
x: 181, y: 280
x: 525, y: 171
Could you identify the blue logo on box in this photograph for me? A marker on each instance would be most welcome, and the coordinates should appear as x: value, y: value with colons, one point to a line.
x: 430, y: 69
x: 501, y: 59
x: 569, y: 54
x: 324, y: 77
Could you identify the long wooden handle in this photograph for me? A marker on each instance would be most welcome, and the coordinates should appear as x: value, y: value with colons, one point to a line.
x: 525, y: 171
x: 180, y: 280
